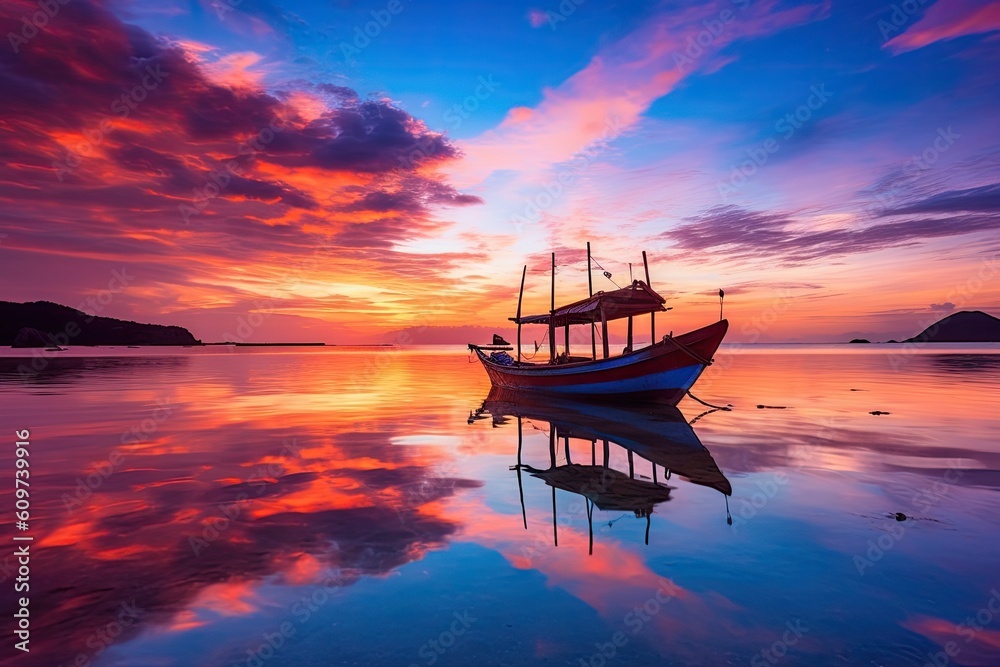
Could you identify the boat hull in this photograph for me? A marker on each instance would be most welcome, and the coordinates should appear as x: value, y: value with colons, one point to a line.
x: 663, y: 371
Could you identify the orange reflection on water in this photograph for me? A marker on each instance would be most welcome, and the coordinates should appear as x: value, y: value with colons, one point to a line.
x: 279, y: 467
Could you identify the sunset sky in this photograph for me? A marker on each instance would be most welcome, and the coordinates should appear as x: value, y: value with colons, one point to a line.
x: 338, y: 171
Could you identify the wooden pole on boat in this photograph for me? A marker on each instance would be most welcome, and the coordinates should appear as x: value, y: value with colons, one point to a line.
x: 520, y: 296
x: 567, y: 338
x: 604, y: 332
x: 652, y: 316
x: 552, y: 314
x: 629, y: 333
x: 590, y: 292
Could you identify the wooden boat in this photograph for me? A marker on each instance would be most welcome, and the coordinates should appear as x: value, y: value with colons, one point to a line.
x: 655, y: 436
x: 664, y: 370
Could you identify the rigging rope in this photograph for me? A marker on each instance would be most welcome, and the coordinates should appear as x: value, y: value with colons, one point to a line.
x: 607, y: 274
x: 538, y: 346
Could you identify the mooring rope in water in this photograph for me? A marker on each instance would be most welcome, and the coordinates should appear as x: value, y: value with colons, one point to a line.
x: 728, y: 408
x: 706, y: 412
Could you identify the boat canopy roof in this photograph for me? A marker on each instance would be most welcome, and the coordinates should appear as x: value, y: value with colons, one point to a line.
x: 636, y: 299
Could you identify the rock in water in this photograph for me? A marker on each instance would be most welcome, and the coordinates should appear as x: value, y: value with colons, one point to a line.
x: 28, y: 337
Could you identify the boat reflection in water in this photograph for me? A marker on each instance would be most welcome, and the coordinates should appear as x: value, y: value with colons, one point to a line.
x: 657, y: 438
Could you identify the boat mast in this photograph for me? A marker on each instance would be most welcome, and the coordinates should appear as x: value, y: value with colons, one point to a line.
x: 652, y: 316
x: 590, y: 289
x: 552, y: 315
x: 628, y: 344
x: 520, y: 295
x: 604, y: 331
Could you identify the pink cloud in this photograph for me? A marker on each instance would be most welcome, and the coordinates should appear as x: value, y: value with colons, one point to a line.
x: 611, y: 93
x: 948, y: 20
x: 537, y: 18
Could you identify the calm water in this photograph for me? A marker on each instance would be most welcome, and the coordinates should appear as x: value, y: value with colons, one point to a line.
x: 338, y: 507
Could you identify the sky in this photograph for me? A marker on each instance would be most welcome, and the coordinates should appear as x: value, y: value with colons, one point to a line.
x: 344, y: 171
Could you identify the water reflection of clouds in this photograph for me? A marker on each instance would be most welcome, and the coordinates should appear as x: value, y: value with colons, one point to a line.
x: 379, y: 478
x: 208, y: 506
x: 967, y: 363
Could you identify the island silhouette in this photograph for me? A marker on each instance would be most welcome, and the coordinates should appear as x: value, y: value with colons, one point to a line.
x: 967, y: 326
x: 47, y: 324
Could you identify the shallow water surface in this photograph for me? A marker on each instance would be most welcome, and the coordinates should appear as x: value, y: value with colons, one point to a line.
x: 365, y: 507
